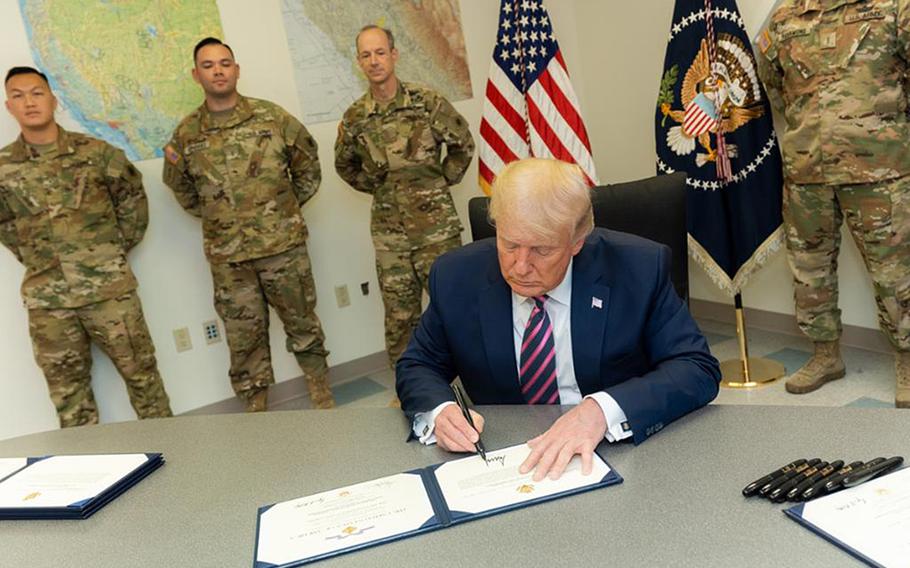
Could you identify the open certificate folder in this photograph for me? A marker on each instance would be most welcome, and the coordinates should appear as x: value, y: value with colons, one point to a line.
x: 69, y: 487
x: 9, y: 466
x: 296, y: 532
x: 870, y: 521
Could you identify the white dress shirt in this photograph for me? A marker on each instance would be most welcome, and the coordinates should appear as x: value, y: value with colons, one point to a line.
x: 559, y: 309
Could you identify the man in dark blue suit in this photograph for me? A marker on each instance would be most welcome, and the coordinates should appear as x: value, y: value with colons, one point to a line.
x: 554, y: 311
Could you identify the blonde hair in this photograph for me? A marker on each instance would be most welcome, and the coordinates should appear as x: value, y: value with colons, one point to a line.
x: 549, y: 198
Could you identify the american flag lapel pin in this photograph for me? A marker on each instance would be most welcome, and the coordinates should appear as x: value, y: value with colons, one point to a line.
x: 597, y: 303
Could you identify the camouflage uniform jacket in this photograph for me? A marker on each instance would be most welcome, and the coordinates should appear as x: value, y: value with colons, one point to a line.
x: 70, y: 217
x: 395, y: 153
x: 839, y: 70
x: 246, y: 177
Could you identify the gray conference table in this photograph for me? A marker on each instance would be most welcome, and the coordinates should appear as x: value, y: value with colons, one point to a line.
x: 680, y: 504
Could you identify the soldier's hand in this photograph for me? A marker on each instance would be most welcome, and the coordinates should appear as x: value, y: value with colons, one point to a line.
x: 453, y: 433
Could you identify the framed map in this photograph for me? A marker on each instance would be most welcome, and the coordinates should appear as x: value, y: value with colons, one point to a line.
x: 321, y: 34
x: 121, y: 68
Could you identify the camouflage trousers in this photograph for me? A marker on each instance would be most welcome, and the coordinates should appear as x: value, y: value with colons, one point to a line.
x: 61, y: 339
x: 403, y: 277
x: 878, y: 217
x: 243, y: 293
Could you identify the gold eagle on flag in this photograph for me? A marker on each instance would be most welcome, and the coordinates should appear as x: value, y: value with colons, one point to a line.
x: 725, y: 94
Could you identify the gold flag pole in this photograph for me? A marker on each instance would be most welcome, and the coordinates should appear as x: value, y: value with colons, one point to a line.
x: 747, y: 372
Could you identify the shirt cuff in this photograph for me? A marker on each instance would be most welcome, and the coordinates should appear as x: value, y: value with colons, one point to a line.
x: 617, y: 424
x: 425, y: 424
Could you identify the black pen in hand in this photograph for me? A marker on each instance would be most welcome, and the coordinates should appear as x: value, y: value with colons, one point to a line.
x: 459, y: 399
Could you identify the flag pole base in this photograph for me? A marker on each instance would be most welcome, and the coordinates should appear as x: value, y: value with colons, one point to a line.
x: 761, y: 372
x: 747, y: 372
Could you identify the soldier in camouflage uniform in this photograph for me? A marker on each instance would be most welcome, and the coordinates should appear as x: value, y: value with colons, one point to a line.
x: 246, y: 167
x: 389, y: 145
x: 71, y: 207
x: 836, y: 70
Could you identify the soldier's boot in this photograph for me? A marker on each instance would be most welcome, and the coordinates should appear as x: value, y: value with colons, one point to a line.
x: 824, y: 366
x: 257, y: 400
x: 320, y: 393
x: 902, y: 376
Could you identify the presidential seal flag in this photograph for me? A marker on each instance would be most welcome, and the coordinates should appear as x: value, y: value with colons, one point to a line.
x: 530, y: 107
x: 713, y: 121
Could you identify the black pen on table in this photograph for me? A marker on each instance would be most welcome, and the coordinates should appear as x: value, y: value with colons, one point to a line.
x: 780, y: 480
x: 459, y: 399
x: 753, y: 487
x: 796, y: 493
x: 835, y: 483
x: 868, y: 472
x: 780, y: 492
x: 820, y: 487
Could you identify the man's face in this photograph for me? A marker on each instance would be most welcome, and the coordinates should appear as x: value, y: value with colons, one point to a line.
x: 531, y: 265
x: 216, y: 71
x: 375, y: 57
x: 30, y: 100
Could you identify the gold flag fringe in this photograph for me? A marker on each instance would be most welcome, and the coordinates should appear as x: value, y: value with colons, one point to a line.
x: 735, y: 285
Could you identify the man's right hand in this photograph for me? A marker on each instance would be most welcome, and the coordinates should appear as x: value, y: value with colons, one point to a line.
x: 453, y: 433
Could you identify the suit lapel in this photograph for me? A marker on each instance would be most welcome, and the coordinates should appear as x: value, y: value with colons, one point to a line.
x: 590, y: 305
x: 496, y: 328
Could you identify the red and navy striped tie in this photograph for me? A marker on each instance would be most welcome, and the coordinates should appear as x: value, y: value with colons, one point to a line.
x: 537, y: 371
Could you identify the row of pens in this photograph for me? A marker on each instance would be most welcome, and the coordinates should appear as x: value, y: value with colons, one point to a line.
x: 806, y: 479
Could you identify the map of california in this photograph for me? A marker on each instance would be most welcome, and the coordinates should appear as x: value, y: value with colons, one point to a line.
x: 121, y: 68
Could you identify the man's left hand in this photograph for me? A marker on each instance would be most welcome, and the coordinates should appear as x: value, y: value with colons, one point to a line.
x: 576, y: 432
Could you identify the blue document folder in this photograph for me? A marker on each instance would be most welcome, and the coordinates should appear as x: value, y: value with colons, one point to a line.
x: 870, y: 521
x: 796, y: 513
x: 442, y: 516
x: 86, y: 507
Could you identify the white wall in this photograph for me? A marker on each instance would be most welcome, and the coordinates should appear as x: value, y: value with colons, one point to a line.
x: 622, y: 62
x: 175, y: 284
x: 614, y: 50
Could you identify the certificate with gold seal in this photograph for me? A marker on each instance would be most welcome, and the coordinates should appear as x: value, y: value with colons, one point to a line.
x: 303, y: 530
x: 471, y: 486
x: 69, y: 486
x: 347, y: 518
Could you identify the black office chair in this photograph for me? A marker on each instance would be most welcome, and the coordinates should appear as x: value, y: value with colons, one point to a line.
x: 654, y: 208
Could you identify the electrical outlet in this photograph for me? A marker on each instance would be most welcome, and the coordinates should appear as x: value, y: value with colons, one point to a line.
x: 211, y: 331
x: 182, y: 339
x: 342, y: 296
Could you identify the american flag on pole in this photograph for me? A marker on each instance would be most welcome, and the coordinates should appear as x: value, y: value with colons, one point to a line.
x: 530, y: 107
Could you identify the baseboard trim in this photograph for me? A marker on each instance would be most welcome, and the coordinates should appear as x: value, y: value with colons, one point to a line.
x: 785, y: 324
x: 295, y: 388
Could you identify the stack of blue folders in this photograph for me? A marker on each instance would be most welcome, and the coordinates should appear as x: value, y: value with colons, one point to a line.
x: 69, y: 486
